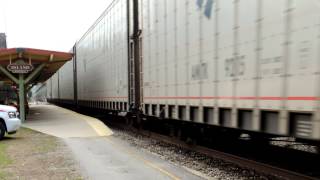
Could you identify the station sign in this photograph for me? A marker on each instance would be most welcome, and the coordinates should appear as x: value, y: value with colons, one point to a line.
x: 20, y: 68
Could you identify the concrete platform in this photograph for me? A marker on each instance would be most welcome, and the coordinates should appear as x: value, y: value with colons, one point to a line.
x: 64, y: 123
x: 99, y: 154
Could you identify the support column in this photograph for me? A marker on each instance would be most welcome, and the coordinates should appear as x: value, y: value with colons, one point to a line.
x: 21, y: 97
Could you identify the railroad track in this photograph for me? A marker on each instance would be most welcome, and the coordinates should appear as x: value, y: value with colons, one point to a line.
x: 227, y: 157
x: 259, y: 167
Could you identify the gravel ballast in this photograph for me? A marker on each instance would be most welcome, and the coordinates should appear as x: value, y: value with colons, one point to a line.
x: 202, y: 165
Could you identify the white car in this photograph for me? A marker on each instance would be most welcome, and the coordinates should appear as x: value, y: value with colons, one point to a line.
x: 9, y: 121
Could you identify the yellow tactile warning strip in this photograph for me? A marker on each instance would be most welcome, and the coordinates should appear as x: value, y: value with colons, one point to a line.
x: 148, y: 163
x: 100, y: 128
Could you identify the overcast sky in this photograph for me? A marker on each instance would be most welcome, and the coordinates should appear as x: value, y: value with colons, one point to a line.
x: 48, y: 24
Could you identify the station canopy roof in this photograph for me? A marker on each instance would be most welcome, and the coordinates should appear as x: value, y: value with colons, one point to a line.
x: 53, y: 61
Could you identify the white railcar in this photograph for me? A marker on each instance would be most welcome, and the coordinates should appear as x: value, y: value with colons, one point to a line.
x: 102, y: 56
x: 49, y: 90
x: 66, y: 83
x: 246, y: 64
x: 55, y: 89
x: 243, y: 64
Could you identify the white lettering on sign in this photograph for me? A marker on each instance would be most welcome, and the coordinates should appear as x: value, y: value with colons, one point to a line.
x: 20, y: 68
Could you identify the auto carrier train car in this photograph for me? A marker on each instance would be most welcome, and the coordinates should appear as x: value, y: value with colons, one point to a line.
x: 246, y: 65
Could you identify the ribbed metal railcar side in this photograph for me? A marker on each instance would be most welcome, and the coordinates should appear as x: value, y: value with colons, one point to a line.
x: 102, y: 58
x: 55, y: 89
x: 66, y: 88
x: 49, y: 90
x: 251, y: 65
x: 39, y: 93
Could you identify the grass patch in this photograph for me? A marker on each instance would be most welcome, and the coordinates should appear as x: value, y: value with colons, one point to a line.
x: 3, y: 175
x: 42, y: 143
x: 26, y: 130
x: 48, y: 144
x: 30, y: 154
x: 4, y: 158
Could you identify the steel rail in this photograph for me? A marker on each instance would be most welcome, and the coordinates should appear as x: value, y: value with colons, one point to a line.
x: 240, y: 161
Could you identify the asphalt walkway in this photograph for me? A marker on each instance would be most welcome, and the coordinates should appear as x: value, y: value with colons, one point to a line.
x: 99, y: 154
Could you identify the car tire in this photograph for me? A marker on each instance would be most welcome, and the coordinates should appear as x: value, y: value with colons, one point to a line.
x: 2, y: 130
